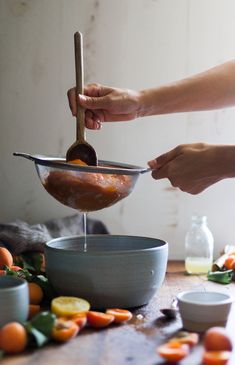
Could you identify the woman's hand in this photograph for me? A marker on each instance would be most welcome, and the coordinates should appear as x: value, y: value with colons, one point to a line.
x: 194, y: 167
x: 105, y: 104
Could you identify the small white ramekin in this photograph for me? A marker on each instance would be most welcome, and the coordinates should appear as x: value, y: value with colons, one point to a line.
x: 201, y: 310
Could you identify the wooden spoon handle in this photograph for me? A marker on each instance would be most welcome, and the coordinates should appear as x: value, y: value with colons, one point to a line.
x: 78, y: 48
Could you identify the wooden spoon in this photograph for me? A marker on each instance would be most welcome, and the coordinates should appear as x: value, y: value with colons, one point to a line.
x: 80, y: 149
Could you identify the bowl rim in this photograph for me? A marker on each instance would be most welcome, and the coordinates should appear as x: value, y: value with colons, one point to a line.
x: 104, y: 252
x: 104, y: 168
x: 16, y: 283
x: 227, y: 298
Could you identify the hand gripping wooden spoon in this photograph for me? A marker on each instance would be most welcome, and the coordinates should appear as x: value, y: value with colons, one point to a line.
x: 80, y: 149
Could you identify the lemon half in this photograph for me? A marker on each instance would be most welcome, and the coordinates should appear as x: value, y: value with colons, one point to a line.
x: 68, y: 306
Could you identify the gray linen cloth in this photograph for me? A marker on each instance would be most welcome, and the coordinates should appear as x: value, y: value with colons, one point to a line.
x: 19, y: 237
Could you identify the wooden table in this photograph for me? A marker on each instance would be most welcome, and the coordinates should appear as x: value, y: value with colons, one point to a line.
x: 133, y: 343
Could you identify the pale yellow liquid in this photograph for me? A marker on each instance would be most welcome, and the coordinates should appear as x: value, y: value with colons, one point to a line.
x: 197, y: 265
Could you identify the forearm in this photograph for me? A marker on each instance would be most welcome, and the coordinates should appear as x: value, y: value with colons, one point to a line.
x: 224, y: 161
x: 212, y: 89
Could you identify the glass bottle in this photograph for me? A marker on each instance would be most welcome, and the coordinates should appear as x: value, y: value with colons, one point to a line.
x: 199, y: 244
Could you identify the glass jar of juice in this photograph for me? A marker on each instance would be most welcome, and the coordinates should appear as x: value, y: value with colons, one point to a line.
x: 199, y: 244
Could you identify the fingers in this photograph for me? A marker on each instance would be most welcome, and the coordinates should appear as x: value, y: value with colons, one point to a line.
x: 97, y: 90
x: 72, y: 101
x: 95, y: 100
x: 88, y: 102
x: 92, y: 120
x: 175, y: 180
x: 166, y: 166
x: 92, y: 90
x: 165, y: 158
x: 160, y: 173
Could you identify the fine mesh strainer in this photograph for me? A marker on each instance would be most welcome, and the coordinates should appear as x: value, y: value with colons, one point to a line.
x: 85, y: 188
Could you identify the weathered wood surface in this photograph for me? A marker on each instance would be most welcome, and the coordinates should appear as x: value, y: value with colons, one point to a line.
x: 133, y: 343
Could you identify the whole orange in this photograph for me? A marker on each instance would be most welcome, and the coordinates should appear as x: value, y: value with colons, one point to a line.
x: 33, y: 310
x: 229, y: 262
x: 217, y: 339
x: 13, y: 338
x: 35, y: 293
x: 6, y: 258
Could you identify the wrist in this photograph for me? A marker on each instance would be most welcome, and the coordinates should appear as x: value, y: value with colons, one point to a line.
x: 227, y: 153
x: 222, y: 161
x: 162, y: 100
x: 142, y: 107
x: 148, y: 103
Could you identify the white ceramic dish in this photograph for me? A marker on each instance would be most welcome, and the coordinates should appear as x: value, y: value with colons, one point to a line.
x: 201, y: 310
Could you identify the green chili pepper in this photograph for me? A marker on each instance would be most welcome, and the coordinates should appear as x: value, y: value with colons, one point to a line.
x: 223, y: 277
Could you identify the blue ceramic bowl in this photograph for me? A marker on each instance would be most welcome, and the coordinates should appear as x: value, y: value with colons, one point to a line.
x: 114, y: 271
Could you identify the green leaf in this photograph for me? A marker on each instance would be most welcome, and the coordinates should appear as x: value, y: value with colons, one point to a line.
x: 1, y: 353
x: 39, y: 338
x: 223, y: 277
x: 25, y: 274
x: 9, y: 271
x: 40, y: 328
x: 44, y: 322
x: 32, y: 261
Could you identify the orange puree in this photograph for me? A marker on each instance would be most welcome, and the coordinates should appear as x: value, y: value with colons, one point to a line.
x: 87, y: 191
x: 78, y: 162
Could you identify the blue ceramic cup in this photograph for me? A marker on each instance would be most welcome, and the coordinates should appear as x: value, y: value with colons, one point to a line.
x: 14, y: 300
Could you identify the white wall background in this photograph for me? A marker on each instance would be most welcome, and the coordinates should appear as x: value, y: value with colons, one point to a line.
x: 127, y: 43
